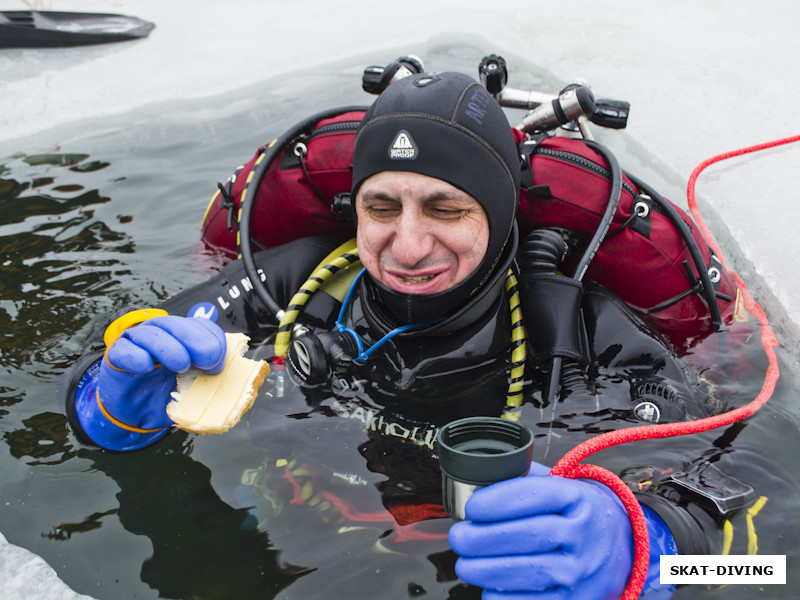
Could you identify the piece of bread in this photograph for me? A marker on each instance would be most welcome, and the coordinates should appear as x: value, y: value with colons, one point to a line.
x: 215, y: 403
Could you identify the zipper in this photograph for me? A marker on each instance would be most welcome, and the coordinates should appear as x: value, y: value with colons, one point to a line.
x: 334, y: 128
x: 586, y: 163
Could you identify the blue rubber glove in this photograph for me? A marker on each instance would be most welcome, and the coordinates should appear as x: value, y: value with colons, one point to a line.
x: 134, y: 380
x: 544, y: 537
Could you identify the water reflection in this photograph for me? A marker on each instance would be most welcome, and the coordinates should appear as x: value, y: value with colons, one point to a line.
x: 64, y: 531
x: 55, y: 254
x: 202, y: 547
x: 44, y: 438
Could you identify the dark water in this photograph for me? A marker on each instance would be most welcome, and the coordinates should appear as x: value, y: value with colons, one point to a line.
x: 96, y: 222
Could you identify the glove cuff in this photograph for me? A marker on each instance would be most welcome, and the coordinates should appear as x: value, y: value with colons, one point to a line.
x: 661, y: 543
x: 95, y: 426
x: 119, y: 423
x: 688, y: 535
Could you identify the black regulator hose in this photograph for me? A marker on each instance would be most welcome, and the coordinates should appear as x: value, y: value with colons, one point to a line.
x: 612, y: 205
x: 246, y: 205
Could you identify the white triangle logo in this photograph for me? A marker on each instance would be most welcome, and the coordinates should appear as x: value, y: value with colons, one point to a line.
x: 403, y: 141
x: 403, y: 147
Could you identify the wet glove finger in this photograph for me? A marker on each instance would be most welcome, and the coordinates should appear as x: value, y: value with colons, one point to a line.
x: 524, y: 497
x: 124, y: 355
x: 162, y: 346
x: 536, y: 574
x: 532, y: 535
x: 204, y: 340
x: 538, y: 469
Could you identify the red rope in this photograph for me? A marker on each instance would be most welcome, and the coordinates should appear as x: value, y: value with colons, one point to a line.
x: 710, y: 161
x: 569, y: 465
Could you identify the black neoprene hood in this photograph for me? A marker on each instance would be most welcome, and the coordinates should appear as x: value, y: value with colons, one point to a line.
x: 447, y: 126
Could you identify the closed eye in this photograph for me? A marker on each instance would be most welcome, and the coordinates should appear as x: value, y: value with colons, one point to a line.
x: 382, y: 211
x: 447, y: 214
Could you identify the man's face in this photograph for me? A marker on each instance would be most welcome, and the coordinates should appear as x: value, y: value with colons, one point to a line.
x: 417, y: 234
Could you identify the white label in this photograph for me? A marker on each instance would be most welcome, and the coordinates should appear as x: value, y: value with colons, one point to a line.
x: 718, y: 569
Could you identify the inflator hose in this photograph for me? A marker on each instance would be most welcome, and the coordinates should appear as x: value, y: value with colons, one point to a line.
x: 614, y: 195
x: 254, y: 182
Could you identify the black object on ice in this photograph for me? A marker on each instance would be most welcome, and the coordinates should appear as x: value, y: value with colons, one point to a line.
x: 54, y: 29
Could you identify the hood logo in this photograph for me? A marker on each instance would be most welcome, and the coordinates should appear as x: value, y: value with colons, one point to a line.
x: 403, y: 147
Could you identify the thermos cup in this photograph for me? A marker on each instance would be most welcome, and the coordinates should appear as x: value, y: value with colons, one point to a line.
x: 478, y: 451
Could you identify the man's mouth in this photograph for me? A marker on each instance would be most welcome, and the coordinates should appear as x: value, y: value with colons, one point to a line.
x: 428, y: 282
x: 418, y: 279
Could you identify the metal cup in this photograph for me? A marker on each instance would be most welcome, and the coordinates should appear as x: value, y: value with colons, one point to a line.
x: 478, y: 451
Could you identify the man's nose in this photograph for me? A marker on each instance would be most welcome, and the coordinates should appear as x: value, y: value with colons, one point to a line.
x: 412, y: 241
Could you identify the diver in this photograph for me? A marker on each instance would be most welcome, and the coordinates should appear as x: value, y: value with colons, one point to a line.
x: 426, y: 329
